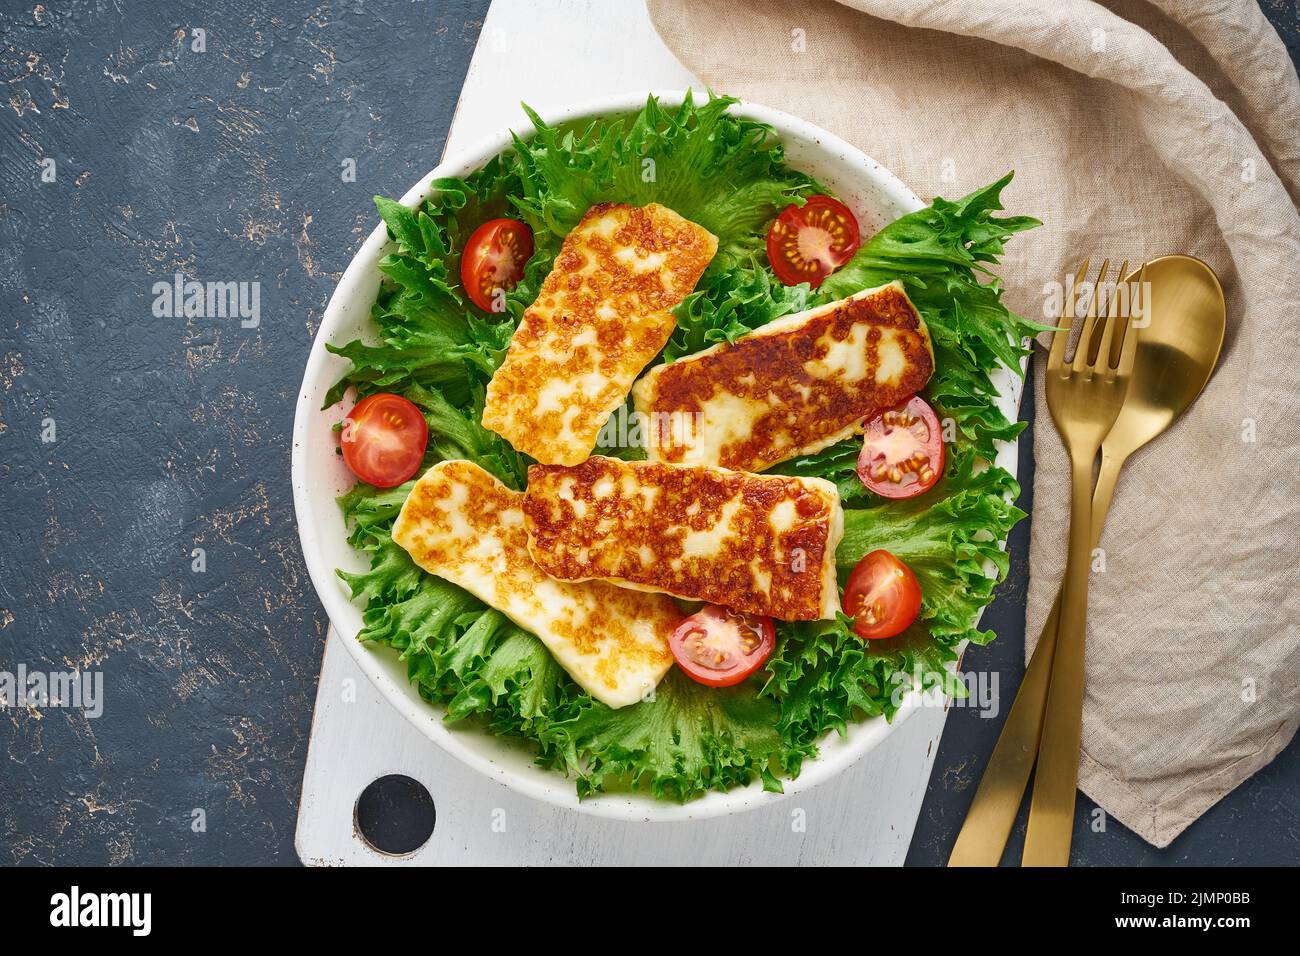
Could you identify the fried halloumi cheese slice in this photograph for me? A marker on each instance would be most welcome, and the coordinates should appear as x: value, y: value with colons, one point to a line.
x: 602, y: 314
x: 464, y: 525
x: 764, y: 544
x: 790, y: 388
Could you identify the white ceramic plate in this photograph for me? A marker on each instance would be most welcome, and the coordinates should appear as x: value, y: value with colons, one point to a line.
x: 874, y: 194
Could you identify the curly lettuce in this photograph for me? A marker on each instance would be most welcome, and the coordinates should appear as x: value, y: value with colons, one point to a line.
x: 729, y: 175
x: 721, y: 171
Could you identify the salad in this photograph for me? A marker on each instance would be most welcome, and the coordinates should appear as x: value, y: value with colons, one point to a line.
x: 925, y: 511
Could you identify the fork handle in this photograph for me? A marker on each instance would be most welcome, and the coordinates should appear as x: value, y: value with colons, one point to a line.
x: 1051, y: 811
x: 992, y: 813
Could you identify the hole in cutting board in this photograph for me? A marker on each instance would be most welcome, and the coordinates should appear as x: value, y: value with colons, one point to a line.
x: 394, y: 815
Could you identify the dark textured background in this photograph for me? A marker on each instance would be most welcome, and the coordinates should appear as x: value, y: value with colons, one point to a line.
x: 173, y: 434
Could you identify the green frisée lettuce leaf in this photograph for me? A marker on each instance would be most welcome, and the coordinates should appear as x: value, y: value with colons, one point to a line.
x: 729, y: 175
x: 825, y: 677
x: 429, y: 335
x: 687, y: 739
x: 456, y: 433
x: 726, y: 305
x: 949, y: 537
x: 720, y: 171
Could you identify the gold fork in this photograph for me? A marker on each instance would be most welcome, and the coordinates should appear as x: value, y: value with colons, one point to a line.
x: 1084, y: 397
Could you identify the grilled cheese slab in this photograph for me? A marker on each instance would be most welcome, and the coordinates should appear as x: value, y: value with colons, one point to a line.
x: 462, y: 524
x: 602, y: 314
x: 764, y: 544
x: 793, y: 387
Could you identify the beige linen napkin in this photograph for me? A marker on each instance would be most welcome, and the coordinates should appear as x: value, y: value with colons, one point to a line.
x: 1135, y: 129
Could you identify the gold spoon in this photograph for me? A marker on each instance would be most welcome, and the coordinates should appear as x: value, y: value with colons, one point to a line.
x: 1180, y: 333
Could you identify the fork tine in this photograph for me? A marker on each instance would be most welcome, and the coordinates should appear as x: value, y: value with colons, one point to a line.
x: 1129, y: 348
x: 1081, y: 347
x: 1111, y: 320
x: 1134, y: 304
x: 1056, y: 357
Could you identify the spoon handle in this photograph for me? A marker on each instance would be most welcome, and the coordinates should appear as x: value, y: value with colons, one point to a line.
x: 992, y: 814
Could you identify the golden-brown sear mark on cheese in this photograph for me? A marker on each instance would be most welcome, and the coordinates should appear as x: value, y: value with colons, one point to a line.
x: 601, y: 315
x: 464, y: 525
x: 758, y: 543
x: 791, y: 388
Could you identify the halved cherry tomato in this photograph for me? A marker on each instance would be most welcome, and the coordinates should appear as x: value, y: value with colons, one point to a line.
x: 493, y: 261
x: 809, y: 242
x: 882, y: 596
x: 902, y: 450
x: 383, y: 439
x: 719, y: 647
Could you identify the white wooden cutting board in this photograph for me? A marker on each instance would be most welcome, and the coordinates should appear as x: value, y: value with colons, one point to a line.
x: 865, y: 816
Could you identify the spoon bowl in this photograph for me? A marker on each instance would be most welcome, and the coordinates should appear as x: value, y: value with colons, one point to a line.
x: 1180, y: 333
